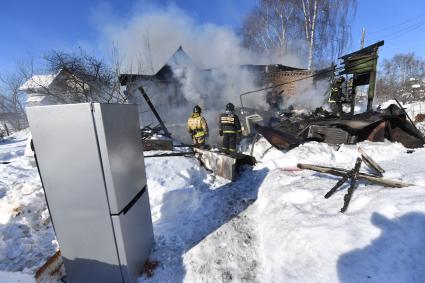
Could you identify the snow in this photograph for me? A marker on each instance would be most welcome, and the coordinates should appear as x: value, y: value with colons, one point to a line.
x: 37, y: 82
x: 16, y: 277
x: 380, y: 237
x: 36, y: 98
x: 26, y: 233
x: 271, y: 225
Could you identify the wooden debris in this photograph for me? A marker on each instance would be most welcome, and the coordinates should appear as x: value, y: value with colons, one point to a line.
x: 172, y: 154
x: 52, y: 270
x: 159, y: 144
x: 371, y: 163
x: 363, y: 176
x: 353, y: 175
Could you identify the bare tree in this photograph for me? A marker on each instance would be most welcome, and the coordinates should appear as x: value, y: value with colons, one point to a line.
x: 12, y: 112
x: 322, y: 24
x: 402, y: 77
x: 87, y: 77
x: 310, y: 11
x: 267, y: 26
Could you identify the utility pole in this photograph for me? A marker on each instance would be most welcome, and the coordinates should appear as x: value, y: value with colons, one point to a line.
x: 363, y: 36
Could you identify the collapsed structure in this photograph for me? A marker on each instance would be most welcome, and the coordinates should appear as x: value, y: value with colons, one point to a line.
x: 287, y: 130
x: 180, y: 84
x: 283, y: 127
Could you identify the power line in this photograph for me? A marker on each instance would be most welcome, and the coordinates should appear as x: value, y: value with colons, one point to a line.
x: 406, y: 30
x: 402, y: 31
x: 397, y: 25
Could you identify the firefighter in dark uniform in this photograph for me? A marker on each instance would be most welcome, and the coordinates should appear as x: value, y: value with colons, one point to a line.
x: 197, y: 127
x: 274, y: 100
x: 229, y: 128
x: 337, y: 95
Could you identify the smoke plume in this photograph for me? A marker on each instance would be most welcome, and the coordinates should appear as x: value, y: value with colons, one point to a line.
x: 146, y: 40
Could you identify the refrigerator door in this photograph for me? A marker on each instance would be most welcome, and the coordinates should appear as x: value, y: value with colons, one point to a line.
x: 120, y: 144
x: 71, y: 171
x: 134, y: 236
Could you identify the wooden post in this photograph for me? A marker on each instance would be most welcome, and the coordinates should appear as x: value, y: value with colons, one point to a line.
x: 371, y: 90
x: 363, y: 37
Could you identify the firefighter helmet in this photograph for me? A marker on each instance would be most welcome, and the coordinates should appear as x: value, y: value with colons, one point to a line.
x: 230, y: 106
x: 197, y: 109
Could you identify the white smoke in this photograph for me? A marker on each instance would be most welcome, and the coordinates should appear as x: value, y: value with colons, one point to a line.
x: 149, y: 37
x: 146, y: 40
x: 309, y: 95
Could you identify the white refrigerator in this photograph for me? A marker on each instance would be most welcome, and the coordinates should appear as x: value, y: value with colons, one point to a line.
x: 90, y: 159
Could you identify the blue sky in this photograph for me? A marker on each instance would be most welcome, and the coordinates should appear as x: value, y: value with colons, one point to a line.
x: 31, y: 28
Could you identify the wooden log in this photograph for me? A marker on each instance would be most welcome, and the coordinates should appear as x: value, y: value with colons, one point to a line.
x: 371, y: 163
x: 362, y: 176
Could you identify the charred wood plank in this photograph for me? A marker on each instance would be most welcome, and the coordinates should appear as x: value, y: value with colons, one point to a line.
x: 353, y: 185
x: 371, y: 163
x: 338, y: 184
x: 151, y: 144
x: 148, y: 101
x: 186, y: 154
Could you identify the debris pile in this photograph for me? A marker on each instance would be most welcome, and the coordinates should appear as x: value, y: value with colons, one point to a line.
x: 392, y: 124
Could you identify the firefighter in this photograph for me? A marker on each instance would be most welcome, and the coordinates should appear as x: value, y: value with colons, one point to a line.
x: 229, y: 128
x: 337, y: 95
x: 274, y: 100
x: 197, y: 127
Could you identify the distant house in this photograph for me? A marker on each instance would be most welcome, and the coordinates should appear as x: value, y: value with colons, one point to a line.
x: 59, y: 88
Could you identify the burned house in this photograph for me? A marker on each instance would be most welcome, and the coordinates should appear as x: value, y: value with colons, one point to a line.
x: 181, y: 84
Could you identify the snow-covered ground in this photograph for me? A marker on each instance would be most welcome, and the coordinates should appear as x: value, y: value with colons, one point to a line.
x: 26, y: 234
x: 271, y: 225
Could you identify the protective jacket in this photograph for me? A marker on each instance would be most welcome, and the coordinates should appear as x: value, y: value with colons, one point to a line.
x: 229, y: 123
x: 198, y: 128
x: 230, y: 127
x: 336, y: 91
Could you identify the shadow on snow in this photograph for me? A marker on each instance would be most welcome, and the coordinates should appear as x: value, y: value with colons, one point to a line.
x: 398, y: 255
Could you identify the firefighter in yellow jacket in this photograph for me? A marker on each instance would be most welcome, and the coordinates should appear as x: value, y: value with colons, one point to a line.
x: 197, y: 127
